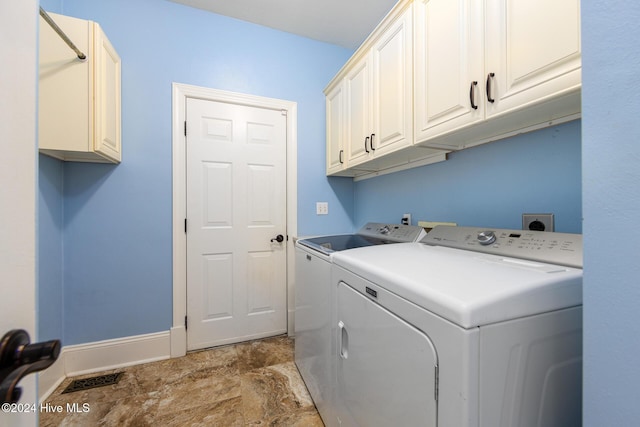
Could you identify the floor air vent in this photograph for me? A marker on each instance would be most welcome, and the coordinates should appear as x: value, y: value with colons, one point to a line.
x: 93, y: 382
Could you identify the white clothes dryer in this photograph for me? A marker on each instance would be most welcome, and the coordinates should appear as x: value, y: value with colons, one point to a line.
x: 470, y: 327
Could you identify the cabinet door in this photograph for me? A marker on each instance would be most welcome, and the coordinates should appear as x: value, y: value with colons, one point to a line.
x: 393, y: 87
x: 358, y: 97
x: 107, y: 114
x: 386, y: 367
x: 533, y: 50
x: 448, y: 66
x: 335, y: 116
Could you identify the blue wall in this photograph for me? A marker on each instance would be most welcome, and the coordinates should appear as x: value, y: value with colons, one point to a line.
x: 116, y: 226
x: 611, y: 165
x: 490, y: 185
x: 50, y: 249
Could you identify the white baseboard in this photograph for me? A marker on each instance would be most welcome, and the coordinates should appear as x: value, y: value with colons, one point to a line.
x: 178, y: 341
x: 104, y: 355
x: 50, y: 378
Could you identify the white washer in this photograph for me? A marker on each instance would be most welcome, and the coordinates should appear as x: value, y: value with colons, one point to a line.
x: 314, y: 346
x: 467, y: 328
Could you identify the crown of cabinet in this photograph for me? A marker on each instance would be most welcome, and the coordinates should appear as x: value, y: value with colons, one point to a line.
x: 480, y: 71
x: 79, y: 104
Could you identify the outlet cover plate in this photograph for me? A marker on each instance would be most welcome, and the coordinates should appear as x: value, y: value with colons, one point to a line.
x: 538, y: 222
x: 322, y: 208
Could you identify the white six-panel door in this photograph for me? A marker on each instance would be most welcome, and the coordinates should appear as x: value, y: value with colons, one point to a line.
x: 236, y: 205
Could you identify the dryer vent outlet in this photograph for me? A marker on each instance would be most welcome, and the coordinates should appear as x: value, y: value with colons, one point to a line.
x: 537, y: 222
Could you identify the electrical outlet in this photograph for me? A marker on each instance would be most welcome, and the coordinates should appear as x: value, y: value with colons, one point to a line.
x: 537, y: 222
x: 322, y: 208
x: 406, y: 219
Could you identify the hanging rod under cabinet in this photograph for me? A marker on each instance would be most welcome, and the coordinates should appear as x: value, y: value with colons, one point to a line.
x: 61, y: 33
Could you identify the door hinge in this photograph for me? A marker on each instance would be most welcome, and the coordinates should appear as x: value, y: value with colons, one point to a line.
x: 185, y: 128
x: 437, y: 374
x: 283, y: 112
x: 186, y: 323
x: 185, y: 225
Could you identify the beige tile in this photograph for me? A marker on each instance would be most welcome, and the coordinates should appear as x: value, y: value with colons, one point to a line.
x: 266, y: 352
x: 222, y: 413
x: 272, y: 392
x: 253, y: 383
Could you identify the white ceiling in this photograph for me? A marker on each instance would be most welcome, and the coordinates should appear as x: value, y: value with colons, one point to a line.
x: 342, y: 22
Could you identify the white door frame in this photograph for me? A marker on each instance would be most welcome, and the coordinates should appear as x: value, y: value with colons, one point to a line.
x: 180, y: 94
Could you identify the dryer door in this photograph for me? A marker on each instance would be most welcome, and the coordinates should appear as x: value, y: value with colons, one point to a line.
x: 386, y: 367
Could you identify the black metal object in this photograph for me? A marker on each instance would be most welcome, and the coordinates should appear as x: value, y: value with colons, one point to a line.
x: 472, y: 95
x: 19, y: 358
x: 490, y: 76
x: 279, y: 238
x: 93, y: 382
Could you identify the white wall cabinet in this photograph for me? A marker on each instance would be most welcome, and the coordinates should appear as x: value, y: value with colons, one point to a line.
x: 335, y: 116
x: 449, y: 65
x: 79, y: 103
x: 374, y: 91
x: 379, y: 95
x: 480, y: 64
x: 359, y: 98
x: 532, y: 51
x: 480, y: 71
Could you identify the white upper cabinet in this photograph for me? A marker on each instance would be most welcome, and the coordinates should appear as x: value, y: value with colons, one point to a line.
x: 358, y: 120
x: 505, y: 65
x: 449, y: 53
x: 442, y: 75
x: 335, y: 130
x: 377, y: 86
x: 532, y: 52
x: 393, y: 87
x: 79, y: 105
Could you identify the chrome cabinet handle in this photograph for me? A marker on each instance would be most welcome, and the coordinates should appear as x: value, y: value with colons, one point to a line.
x: 472, y: 95
x: 490, y: 77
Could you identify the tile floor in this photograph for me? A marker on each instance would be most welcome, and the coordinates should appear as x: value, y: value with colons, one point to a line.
x: 248, y: 384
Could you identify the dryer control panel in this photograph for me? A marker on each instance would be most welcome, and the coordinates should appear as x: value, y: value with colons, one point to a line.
x: 553, y: 248
x: 392, y: 232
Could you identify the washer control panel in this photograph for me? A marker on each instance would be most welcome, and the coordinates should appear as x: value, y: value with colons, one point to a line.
x: 393, y: 232
x: 553, y: 248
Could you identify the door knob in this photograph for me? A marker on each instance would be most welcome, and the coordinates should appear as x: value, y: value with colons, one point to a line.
x: 279, y: 238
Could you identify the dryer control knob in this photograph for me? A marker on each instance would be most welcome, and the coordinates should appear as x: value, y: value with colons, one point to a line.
x: 486, y: 237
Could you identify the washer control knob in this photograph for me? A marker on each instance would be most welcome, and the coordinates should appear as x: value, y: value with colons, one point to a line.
x: 486, y: 237
x: 385, y: 230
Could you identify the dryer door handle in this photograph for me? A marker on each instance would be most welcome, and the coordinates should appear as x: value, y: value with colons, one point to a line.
x: 344, y: 340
